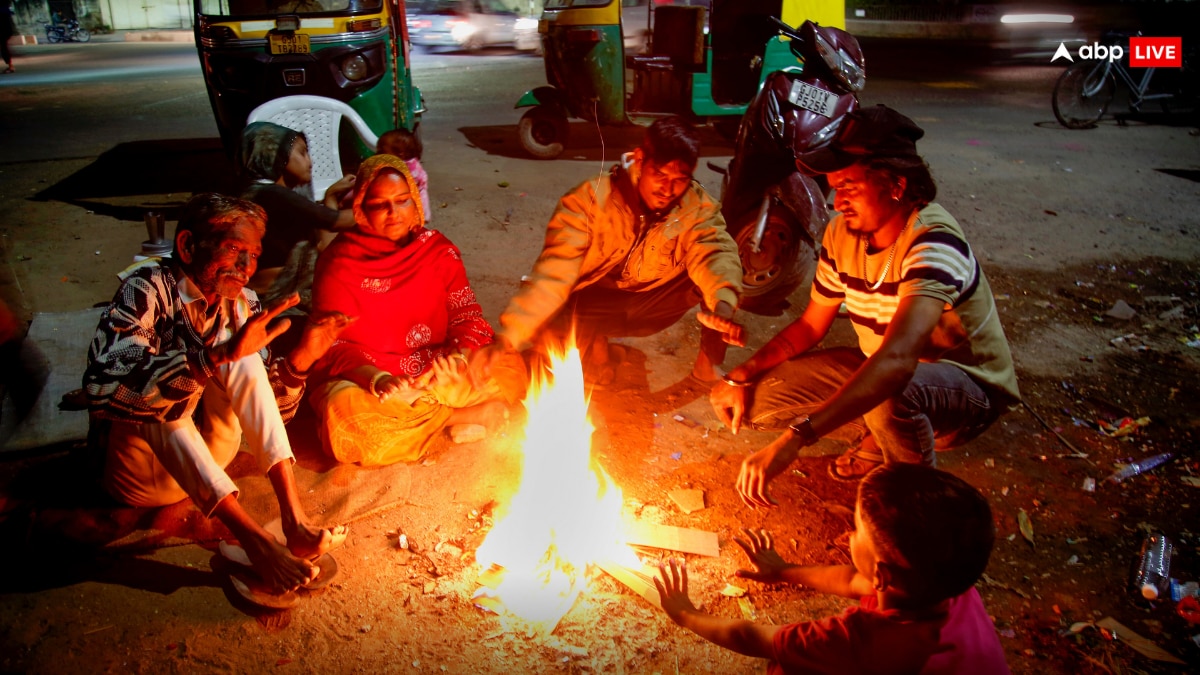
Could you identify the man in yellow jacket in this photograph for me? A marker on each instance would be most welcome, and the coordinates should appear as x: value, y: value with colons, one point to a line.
x: 627, y: 255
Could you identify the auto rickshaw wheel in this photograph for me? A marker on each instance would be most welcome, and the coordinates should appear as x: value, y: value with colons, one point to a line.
x: 543, y: 132
x: 784, y: 261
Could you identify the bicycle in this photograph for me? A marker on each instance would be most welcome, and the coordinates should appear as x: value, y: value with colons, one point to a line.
x: 1084, y: 91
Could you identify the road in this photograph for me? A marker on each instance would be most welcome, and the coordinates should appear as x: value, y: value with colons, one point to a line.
x: 99, y: 133
x: 90, y: 96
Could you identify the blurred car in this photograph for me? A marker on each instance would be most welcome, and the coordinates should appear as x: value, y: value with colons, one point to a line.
x: 525, y: 35
x: 462, y: 24
x: 1004, y: 30
x: 1032, y: 33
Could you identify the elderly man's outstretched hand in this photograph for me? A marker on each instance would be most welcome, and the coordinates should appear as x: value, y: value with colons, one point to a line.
x: 256, y: 333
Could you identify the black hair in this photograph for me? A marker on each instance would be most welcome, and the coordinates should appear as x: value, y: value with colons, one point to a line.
x: 919, y: 188
x: 402, y: 143
x: 670, y: 139
x: 933, y: 527
x: 208, y: 213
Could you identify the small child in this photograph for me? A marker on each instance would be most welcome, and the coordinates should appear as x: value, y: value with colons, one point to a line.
x: 407, y: 146
x: 921, y: 540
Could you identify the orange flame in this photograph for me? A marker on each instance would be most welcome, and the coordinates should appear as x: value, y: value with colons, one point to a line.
x: 566, y: 514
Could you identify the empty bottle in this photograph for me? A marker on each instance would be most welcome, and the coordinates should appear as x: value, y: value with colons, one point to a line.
x: 1138, y: 467
x: 1154, y: 566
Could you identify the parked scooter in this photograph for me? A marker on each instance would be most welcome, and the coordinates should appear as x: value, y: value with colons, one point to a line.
x: 67, y: 31
x: 776, y: 213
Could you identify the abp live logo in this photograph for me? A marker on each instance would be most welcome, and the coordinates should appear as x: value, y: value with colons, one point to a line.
x: 1144, y: 52
x: 1155, y: 52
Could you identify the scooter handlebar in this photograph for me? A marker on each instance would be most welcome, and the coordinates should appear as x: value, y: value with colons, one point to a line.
x: 786, y: 29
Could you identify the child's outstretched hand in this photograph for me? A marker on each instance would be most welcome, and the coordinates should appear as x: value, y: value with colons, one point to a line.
x: 672, y: 584
x: 768, y: 565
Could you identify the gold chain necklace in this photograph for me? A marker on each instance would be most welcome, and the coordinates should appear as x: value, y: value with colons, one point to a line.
x: 886, y: 266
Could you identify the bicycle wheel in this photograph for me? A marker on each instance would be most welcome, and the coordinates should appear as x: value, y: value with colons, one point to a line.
x: 1082, y: 94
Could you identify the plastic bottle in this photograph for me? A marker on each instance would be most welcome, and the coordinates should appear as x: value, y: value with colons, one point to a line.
x: 1140, y: 467
x: 1154, y: 566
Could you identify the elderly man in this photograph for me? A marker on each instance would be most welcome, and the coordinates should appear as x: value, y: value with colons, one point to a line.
x: 932, y: 369
x: 176, y: 376
x: 628, y: 254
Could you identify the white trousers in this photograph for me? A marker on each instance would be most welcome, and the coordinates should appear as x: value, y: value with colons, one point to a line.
x: 161, y: 463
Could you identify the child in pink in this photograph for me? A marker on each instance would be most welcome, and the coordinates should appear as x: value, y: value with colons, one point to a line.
x: 921, y: 540
x: 407, y: 146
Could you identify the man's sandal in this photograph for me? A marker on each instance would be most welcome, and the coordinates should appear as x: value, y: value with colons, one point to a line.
x: 855, y: 463
x: 248, y: 584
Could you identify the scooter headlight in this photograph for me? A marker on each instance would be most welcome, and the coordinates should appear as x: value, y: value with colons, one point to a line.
x: 354, y: 68
x: 843, y: 67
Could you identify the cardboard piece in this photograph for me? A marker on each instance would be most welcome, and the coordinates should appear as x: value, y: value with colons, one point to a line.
x: 639, y: 581
x: 680, y: 539
x: 1140, y: 644
x: 688, y: 501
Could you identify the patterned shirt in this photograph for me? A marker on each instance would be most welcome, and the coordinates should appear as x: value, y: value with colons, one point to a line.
x: 932, y: 258
x: 153, y: 338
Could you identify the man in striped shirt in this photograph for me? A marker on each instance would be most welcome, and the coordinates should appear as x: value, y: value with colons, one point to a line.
x: 932, y: 369
x: 176, y: 373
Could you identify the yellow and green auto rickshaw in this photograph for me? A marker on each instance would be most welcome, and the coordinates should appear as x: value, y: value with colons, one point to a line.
x: 627, y: 61
x: 353, y: 51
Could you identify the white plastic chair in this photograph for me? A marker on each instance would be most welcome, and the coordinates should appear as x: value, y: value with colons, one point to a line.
x: 320, y: 120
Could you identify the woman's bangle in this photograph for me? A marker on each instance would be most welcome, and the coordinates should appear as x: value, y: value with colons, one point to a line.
x: 375, y: 380
x: 734, y: 383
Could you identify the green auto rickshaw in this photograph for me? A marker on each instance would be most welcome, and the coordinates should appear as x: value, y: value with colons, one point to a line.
x: 353, y: 51
x: 617, y: 62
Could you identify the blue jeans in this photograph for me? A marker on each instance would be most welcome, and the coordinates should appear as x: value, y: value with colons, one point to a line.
x: 941, y: 407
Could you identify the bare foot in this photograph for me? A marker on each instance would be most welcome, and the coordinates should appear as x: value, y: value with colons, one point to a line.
x: 278, y: 568
x: 309, y: 542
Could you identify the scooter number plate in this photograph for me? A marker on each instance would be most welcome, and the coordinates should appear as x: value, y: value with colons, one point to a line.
x: 804, y: 95
x: 289, y: 44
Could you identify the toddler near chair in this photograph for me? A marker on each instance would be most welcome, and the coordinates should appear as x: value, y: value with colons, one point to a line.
x: 407, y: 146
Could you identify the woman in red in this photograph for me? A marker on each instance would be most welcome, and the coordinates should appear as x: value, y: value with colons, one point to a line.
x: 397, y: 376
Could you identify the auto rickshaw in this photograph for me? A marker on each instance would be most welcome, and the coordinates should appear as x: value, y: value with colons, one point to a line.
x: 704, y: 59
x: 353, y: 51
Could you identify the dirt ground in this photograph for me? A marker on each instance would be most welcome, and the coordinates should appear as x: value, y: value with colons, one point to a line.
x: 1066, y: 224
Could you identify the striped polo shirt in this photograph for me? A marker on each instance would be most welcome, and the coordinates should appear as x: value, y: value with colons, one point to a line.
x: 932, y: 259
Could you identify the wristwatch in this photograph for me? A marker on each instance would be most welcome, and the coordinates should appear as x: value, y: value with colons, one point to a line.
x: 803, y: 429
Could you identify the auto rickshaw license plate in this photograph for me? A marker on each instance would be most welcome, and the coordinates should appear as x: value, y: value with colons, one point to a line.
x: 812, y: 98
x: 289, y: 44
